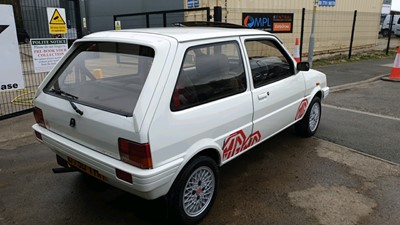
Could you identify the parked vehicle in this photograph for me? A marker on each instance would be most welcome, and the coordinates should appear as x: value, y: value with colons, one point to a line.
x: 386, y: 23
x: 397, y: 30
x: 157, y: 111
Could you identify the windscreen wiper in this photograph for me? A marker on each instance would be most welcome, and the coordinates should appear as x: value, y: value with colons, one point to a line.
x: 63, y: 93
x: 68, y: 95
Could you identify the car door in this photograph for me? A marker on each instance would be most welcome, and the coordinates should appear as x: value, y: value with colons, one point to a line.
x: 277, y: 87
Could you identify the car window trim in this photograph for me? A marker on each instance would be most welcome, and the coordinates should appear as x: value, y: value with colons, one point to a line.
x: 281, y: 50
x: 240, y: 54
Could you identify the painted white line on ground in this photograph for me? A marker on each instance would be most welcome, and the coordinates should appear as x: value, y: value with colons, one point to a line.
x: 388, y: 65
x: 360, y: 152
x: 361, y: 112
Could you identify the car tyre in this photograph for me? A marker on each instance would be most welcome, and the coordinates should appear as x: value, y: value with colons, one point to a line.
x: 193, y: 192
x: 307, y: 126
x: 385, y: 32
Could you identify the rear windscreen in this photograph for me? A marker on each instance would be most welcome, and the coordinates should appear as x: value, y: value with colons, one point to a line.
x: 107, y: 76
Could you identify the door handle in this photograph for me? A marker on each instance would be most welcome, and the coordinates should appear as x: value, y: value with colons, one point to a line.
x: 263, y: 96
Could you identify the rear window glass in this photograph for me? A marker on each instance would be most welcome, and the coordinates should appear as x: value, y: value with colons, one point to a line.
x: 108, y: 76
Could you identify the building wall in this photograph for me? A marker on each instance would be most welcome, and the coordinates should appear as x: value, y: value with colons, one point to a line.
x: 100, y: 13
x: 333, y: 24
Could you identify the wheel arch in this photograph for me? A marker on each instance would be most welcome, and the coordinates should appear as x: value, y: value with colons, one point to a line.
x: 211, y: 151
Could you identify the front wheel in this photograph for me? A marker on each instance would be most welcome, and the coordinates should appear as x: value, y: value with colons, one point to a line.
x: 307, y: 126
x: 193, y: 192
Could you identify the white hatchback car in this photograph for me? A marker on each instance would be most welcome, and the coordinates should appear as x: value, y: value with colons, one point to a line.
x: 156, y: 111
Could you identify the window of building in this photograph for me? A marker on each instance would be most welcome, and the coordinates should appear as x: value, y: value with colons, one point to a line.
x: 208, y: 73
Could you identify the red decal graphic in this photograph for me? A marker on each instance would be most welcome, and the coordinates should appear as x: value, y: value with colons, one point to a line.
x: 302, y: 109
x: 252, y: 139
x: 237, y: 142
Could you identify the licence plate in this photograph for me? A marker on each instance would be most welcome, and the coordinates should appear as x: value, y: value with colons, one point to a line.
x: 85, y: 168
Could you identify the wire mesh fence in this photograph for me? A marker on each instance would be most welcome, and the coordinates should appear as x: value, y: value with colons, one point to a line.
x: 162, y: 18
x: 332, y: 28
x: 32, y: 23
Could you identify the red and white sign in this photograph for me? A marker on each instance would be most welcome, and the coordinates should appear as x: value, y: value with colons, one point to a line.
x: 47, y: 52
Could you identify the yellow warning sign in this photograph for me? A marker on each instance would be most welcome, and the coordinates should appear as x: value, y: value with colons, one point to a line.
x: 117, y: 25
x: 57, y: 18
x: 57, y: 23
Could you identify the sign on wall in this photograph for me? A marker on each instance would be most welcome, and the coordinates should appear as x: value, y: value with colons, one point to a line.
x: 327, y: 3
x: 272, y: 22
x: 47, y: 52
x: 56, y: 18
x: 191, y: 4
x: 10, y: 64
x: 117, y: 25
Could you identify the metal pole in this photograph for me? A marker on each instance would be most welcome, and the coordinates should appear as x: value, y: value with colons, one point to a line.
x: 303, y: 14
x: 390, y: 32
x: 217, y: 14
x: 147, y: 20
x: 312, y: 38
x: 352, y: 33
x: 165, y: 19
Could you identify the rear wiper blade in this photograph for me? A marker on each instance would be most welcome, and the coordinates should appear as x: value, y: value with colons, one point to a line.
x: 63, y: 93
x: 66, y: 94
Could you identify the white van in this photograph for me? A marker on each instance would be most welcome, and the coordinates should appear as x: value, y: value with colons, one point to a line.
x: 157, y: 111
x: 386, y: 23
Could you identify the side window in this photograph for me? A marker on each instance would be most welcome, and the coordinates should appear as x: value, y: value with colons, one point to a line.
x: 208, y: 73
x: 268, y: 63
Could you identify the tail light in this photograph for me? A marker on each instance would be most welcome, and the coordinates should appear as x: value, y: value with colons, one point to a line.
x: 135, y: 154
x: 37, y: 112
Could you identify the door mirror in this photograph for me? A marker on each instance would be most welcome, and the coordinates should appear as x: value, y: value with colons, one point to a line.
x: 303, y: 66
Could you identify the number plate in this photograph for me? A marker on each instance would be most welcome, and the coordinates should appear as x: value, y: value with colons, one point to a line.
x: 87, y: 169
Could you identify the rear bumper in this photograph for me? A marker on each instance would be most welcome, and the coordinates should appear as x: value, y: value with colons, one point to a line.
x: 148, y: 184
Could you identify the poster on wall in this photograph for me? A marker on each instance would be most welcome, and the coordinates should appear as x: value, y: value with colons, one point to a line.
x: 271, y: 22
x: 57, y: 18
x: 47, y: 52
x: 10, y: 64
x: 328, y: 3
x: 192, y: 4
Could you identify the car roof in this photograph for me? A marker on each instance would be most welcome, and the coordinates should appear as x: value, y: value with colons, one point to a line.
x: 182, y: 34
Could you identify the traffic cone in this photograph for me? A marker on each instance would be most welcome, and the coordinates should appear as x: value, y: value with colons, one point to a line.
x: 395, y: 74
x: 296, y: 54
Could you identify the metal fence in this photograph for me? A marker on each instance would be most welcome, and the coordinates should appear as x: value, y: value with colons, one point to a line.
x: 28, y: 17
x: 31, y: 17
x: 333, y: 29
x: 162, y: 18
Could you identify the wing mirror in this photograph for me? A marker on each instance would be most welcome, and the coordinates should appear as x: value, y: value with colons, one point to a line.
x: 303, y: 66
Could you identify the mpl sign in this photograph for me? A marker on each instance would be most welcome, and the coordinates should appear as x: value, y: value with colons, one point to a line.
x: 272, y: 22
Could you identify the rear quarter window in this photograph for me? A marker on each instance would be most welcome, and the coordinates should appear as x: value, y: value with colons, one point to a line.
x: 209, y: 73
x: 104, y: 75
